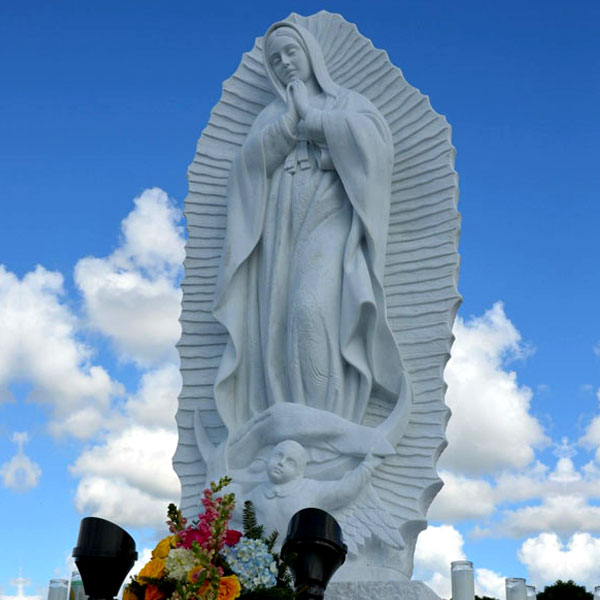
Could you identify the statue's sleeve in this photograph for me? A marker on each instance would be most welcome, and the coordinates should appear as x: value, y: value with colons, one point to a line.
x: 277, y: 143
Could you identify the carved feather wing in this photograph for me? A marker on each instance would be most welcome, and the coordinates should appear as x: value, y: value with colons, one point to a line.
x: 420, y: 274
x: 368, y: 517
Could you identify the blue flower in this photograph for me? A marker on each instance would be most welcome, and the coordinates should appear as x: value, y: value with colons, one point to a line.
x: 253, y: 564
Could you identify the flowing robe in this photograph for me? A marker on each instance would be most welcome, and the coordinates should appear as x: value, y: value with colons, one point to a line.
x: 300, y: 285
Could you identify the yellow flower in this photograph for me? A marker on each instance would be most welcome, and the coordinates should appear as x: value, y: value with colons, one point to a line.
x: 229, y: 588
x: 163, y: 547
x: 155, y: 569
x: 193, y: 575
x: 128, y: 594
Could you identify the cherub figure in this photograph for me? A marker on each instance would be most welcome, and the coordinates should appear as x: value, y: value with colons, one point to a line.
x: 287, y: 490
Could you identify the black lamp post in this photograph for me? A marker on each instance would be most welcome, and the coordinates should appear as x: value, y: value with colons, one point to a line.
x: 316, y: 548
x: 104, y: 555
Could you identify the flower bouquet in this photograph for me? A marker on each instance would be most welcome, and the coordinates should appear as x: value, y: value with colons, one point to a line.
x: 206, y: 560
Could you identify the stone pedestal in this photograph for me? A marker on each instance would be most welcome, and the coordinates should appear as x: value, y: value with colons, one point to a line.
x: 379, y: 590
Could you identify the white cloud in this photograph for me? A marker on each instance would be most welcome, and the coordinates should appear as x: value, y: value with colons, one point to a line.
x: 39, y: 344
x: 20, y: 473
x: 549, y: 559
x: 436, y: 548
x: 118, y: 501
x: 563, y: 514
x: 490, y: 583
x: 491, y: 428
x: 155, y: 403
x: 129, y: 477
x: 591, y: 437
x: 462, y: 498
x: 132, y: 296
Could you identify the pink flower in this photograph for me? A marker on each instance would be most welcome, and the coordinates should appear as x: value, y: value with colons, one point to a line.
x: 232, y: 537
x: 189, y: 536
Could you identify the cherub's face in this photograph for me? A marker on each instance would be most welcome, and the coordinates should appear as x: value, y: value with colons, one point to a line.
x: 285, y: 463
x: 288, y: 59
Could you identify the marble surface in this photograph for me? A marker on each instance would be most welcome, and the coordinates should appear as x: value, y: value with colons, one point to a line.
x: 374, y: 590
x: 320, y: 292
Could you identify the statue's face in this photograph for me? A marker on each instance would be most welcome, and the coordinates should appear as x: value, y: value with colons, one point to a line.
x: 288, y: 59
x: 285, y: 463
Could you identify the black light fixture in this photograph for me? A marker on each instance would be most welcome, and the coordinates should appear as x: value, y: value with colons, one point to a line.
x: 315, y: 550
x: 104, y: 555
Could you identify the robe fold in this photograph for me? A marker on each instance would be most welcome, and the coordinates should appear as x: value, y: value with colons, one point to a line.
x: 300, y: 287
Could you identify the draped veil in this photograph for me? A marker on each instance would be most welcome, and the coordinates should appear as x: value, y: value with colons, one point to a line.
x: 350, y: 168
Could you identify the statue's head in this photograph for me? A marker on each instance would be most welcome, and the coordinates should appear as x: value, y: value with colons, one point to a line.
x: 287, y: 462
x: 288, y: 56
x: 291, y: 52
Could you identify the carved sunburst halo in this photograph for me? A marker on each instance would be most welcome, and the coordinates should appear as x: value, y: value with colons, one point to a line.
x: 420, y: 273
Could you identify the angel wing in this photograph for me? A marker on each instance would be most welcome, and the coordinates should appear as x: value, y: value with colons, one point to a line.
x: 420, y: 273
x: 368, y: 517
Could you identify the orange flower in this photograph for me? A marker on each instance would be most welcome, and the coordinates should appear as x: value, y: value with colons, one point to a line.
x: 193, y: 575
x: 154, y: 569
x: 229, y: 588
x: 128, y: 594
x: 163, y: 547
x: 153, y: 593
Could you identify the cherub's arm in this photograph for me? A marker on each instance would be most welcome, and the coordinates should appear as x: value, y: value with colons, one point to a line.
x: 336, y: 494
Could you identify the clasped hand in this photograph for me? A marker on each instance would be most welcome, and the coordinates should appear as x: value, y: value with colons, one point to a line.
x: 297, y: 100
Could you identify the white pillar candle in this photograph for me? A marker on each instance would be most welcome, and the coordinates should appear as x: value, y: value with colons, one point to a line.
x: 597, y: 592
x: 58, y: 589
x: 516, y: 588
x: 463, y: 586
x: 531, y: 593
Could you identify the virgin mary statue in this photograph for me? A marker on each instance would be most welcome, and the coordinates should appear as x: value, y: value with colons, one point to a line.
x: 299, y: 290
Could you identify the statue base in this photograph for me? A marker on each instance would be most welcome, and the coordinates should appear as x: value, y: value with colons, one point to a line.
x: 379, y: 590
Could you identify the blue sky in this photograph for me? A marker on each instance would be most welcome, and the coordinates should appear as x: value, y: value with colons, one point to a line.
x: 102, y: 103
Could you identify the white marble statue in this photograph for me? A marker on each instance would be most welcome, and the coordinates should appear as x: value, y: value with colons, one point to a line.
x: 320, y: 292
x: 286, y: 490
x: 300, y: 290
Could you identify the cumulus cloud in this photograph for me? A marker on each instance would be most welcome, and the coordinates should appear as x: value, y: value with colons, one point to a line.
x: 128, y: 476
x: 40, y: 344
x: 549, y: 559
x: 20, y: 474
x: 490, y: 583
x: 591, y: 437
x: 436, y: 548
x: 491, y: 428
x: 155, y: 402
x: 492, y: 436
x: 132, y: 296
x: 450, y: 505
x: 563, y: 514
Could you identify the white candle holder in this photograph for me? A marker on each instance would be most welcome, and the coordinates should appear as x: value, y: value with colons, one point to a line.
x: 516, y: 588
x: 463, y: 584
